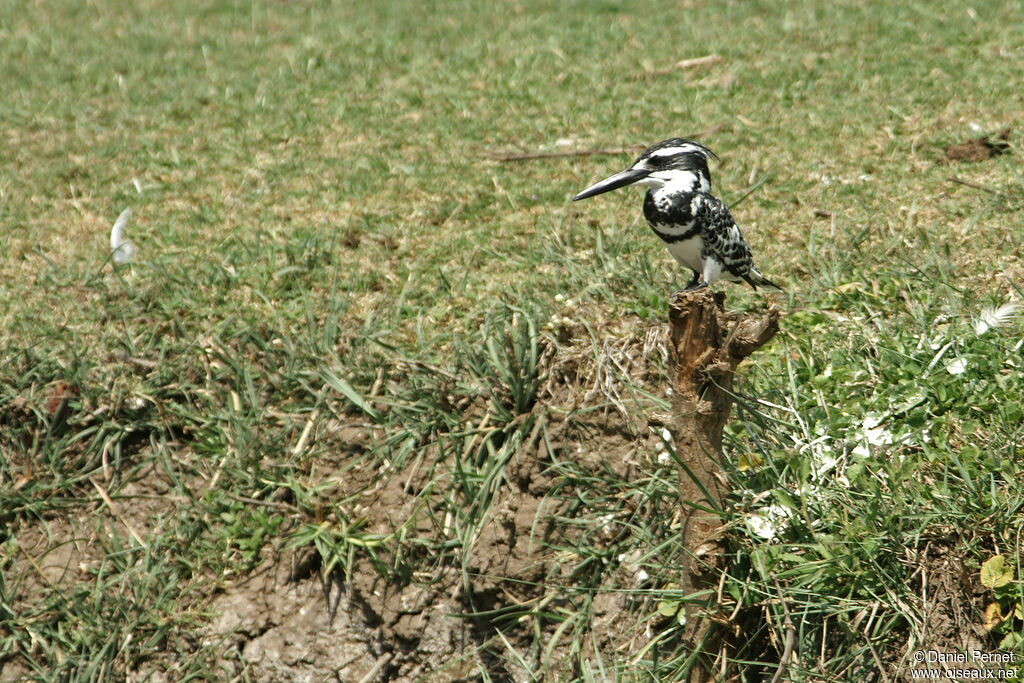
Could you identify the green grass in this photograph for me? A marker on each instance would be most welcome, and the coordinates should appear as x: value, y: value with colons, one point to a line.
x: 334, y: 279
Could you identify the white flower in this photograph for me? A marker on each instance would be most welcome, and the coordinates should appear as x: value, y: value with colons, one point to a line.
x: 769, y: 521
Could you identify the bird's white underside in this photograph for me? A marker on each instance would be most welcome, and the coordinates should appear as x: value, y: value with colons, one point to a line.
x: 687, y: 252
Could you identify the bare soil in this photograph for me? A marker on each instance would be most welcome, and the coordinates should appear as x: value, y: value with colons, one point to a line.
x: 979, y: 149
x: 289, y: 622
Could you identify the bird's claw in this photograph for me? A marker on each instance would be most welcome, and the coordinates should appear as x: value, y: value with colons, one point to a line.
x: 693, y: 287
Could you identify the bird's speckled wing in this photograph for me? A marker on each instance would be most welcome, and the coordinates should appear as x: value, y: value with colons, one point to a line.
x: 722, y: 238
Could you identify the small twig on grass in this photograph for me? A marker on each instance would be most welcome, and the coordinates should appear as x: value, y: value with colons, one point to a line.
x: 113, y: 508
x: 428, y: 367
x: 350, y: 660
x: 976, y: 186
x: 690, y: 63
x: 141, y: 363
x: 867, y: 639
x: 878, y: 662
x: 513, y: 156
x: 698, y: 61
x: 787, y: 649
x: 35, y: 565
x: 523, y: 156
x: 300, y: 445
x: 377, y: 667
x: 266, y: 503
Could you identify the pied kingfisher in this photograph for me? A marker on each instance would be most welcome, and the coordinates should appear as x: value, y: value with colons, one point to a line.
x: 694, y: 224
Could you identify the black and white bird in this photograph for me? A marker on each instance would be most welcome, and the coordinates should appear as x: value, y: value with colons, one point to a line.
x: 695, y: 225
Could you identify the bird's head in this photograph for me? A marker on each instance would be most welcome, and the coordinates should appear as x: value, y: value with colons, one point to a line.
x: 673, y: 161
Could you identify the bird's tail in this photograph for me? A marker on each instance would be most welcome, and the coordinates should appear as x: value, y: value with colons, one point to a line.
x: 755, y: 279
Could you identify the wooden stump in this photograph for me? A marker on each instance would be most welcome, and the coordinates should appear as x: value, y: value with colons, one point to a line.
x: 707, y: 344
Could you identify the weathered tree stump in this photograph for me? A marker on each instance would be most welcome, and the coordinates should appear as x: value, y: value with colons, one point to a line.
x: 707, y: 345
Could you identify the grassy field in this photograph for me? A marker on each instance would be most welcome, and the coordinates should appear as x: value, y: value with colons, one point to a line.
x: 355, y: 343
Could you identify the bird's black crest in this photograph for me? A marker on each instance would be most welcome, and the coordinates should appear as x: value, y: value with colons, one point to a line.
x: 682, y: 144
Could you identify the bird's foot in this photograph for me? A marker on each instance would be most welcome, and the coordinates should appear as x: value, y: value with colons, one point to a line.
x: 693, y: 287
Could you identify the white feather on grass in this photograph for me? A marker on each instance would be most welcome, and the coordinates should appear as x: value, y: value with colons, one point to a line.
x: 991, y: 318
x: 123, y: 249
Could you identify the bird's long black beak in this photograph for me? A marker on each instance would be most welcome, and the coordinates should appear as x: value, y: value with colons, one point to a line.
x: 620, y: 179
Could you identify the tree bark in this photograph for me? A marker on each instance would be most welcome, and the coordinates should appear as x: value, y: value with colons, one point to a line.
x: 707, y: 345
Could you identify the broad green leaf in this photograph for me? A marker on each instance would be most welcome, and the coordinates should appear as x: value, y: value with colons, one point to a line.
x: 668, y: 608
x: 995, y: 573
